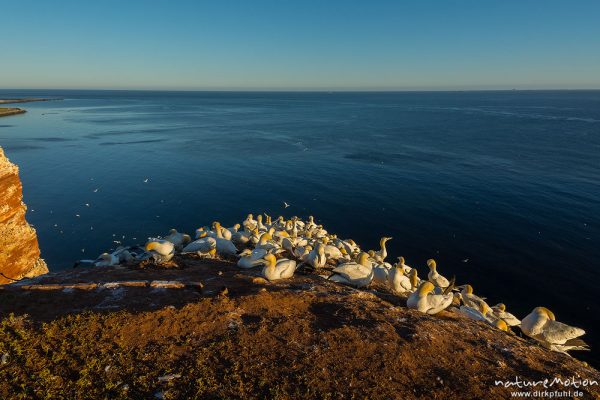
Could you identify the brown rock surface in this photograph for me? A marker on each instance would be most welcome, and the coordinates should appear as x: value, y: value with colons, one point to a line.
x: 19, y: 251
x: 238, y: 337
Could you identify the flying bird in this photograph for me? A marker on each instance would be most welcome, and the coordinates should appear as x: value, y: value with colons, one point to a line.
x: 285, y: 205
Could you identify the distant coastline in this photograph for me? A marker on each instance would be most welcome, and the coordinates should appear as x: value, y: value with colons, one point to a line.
x: 25, y: 100
x: 6, y: 111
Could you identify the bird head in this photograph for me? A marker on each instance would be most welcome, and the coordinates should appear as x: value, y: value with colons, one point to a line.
x: 426, y: 288
x: 265, y: 238
x: 547, y: 313
x: 363, y: 259
x: 431, y: 264
x: 270, y: 260
x: 151, y: 246
x: 401, y: 260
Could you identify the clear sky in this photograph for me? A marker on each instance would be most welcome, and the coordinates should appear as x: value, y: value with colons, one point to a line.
x: 304, y: 44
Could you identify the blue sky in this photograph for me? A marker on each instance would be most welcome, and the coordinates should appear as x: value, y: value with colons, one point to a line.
x: 300, y: 45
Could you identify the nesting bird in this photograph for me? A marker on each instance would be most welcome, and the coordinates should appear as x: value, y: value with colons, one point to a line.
x: 542, y: 326
x: 425, y: 301
x: 160, y: 250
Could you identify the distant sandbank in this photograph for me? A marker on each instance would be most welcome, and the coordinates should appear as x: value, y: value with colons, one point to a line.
x: 5, y: 112
x: 25, y: 100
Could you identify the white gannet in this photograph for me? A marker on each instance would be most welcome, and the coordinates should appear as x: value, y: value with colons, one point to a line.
x: 203, y: 245
x: 226, y: 233
x: 249, y: 223
x: 382, y: 253
x: 402, y: 263
x: 499, y: 311
x: 331, y: 251
x: 281, y: 234
x: 235, y: 228
x: 266, y: 242
x: 178, y: 239
x: 106, y: 260
x: 349, y: 245
x: 161, y: 250
x: 414, y: 279
x: 380, y: 273
x: 254, y: 236
x: 251, y: 259
x: 469, y: 299
x: 278, y: 269
x: 310, y: 224
x: 302, y: 252
x: 358, y: 274
x: 478, y: 314
x: 398, y: 281
x: 241, y: 237
x: 317, y: 257
x: 224, y: 246
x: 434, y: 277
x: 542, y: 326
x: 259, y: 224
x: 202, y: 232
x: 426, y: 302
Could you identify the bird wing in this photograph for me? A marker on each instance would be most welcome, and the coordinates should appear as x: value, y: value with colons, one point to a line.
x: 438, y: 302
x: 352, y: 271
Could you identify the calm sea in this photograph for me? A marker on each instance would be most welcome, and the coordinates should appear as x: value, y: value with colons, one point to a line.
x: 502, y: 188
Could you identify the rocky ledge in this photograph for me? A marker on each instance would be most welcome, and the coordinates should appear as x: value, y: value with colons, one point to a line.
x: 203, y: 328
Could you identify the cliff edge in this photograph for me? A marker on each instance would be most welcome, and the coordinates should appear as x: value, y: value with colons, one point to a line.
x: 20, y: 255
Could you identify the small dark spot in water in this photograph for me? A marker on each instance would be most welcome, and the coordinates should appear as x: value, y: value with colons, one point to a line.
x: 6, y: 126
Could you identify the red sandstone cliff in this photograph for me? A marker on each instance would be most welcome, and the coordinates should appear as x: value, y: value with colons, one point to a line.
x: 19, y: 251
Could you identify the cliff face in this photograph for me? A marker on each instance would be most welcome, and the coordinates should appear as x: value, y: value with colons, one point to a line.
x: 19, y: 251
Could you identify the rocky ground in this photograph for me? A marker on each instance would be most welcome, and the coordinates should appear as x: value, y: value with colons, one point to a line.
x: 149, y: 332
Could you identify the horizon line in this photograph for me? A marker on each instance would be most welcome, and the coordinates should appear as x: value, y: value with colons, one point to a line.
x: 296, y: 90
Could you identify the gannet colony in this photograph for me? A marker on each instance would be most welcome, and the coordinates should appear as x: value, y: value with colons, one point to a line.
x: 282, y: 247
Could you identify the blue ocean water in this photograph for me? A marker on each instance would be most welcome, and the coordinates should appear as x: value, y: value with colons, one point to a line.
x: 502, y: 188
